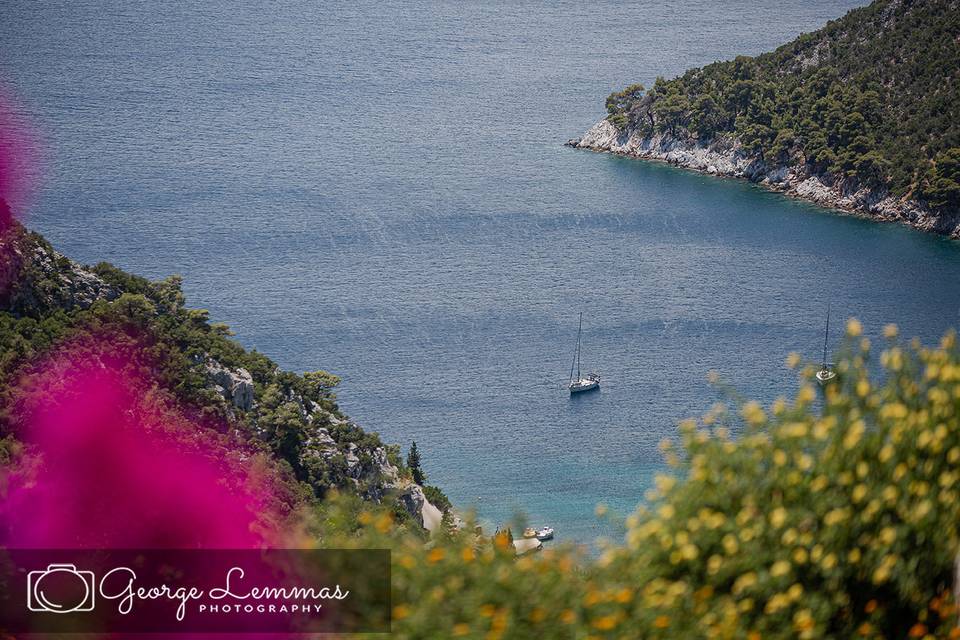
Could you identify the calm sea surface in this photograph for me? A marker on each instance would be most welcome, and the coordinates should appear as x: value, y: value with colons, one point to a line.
x: 379, y: 189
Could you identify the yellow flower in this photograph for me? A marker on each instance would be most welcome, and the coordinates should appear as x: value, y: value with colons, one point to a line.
x: 779, y: 458
x: 753, y: 414
x: 863, y: 387
x: 664, y: 484
x: 794, y: 430
x: 890, y: 331
x: 461, y: 629
x: 886, y: 452
x: 854, y: 328
x: 401, y: 611
x: 829, y: 561
x: 745, y: 581
x: 793, y: 359
x: 730, y: 544
x: 835, y: 516
x: 800, y: 555
x: 568, y: 616
x: 779, y: 405
x: 854, y: 556
x: 795, y: 591
x: 896, y: 411
x: 714, y: 563
x: 777, y: 517
x: 803, y: 620
x: 667, y: 511
x: 601, y: 509
x: 859, y: 492
x: 806, y: 394
x: 605, y: 623
x: 888, y: 535
x: 854, y: 434
x: 661, y: 622
x: 821, y: 429
x: 384, y: 523
x: 819, y: 483
x: 881, y: 574
x: 780, y: 568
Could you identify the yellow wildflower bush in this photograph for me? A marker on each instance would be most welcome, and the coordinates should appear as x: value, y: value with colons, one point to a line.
x: 834, y: 515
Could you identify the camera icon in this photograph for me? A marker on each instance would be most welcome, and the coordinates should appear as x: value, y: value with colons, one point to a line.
x: 60, y: 588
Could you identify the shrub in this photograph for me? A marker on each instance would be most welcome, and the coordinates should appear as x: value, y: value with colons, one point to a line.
x: 832, y: 517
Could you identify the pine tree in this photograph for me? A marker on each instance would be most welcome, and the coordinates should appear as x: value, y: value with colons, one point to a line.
x: 413, y: 461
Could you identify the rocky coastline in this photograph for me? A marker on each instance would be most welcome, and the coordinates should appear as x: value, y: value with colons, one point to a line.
x: 725, y: 157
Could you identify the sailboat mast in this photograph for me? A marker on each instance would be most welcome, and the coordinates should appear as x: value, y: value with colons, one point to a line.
x: 826, y: 336
x: 576, y: 355
x: 579, y: 331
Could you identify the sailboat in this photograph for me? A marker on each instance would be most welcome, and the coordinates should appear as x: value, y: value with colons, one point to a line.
x: 581, y: 383
x: 826, y: 373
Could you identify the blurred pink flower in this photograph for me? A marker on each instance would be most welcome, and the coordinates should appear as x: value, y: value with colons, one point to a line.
x: 113, y: 463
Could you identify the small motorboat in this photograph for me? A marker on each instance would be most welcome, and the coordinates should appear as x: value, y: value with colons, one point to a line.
x: 546, y: 533
x: 581, y: 382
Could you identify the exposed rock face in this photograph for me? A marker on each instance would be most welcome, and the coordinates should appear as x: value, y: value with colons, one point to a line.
x: 236, y: 386
x: 726, y: 157
x: 43, y: 279
x: 413, y: 500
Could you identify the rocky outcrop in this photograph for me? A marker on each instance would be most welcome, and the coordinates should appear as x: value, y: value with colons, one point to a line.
x: 235, y: 385
x: 725, y: 157
x: 35, y: 278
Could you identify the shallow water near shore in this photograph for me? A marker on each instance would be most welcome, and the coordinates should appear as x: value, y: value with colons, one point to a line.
x: 381, y: 190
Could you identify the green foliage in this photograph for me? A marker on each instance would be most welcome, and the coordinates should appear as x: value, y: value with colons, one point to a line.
x: 825, y: 518
x: 437, y: 498
x: 171, y: 344
x: 872, y: 97
x: 413, y: 463
x: 619, y: 102
x: 942, y: 187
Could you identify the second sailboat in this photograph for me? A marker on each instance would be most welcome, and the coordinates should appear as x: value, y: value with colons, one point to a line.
x: 581, y: 383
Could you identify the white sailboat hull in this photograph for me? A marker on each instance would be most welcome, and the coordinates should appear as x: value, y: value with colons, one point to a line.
x: 585, y: 384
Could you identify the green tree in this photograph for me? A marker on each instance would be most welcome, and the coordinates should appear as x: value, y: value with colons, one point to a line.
x: 413, y: 461
x: 943, y: 180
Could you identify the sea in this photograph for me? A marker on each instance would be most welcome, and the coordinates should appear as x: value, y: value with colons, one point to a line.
x: 380, y: 190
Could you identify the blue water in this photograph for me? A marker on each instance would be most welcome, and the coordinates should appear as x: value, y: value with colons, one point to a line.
x: 379, y: 189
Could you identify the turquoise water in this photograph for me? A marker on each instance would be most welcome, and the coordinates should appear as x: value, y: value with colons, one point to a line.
x: 379, y: 189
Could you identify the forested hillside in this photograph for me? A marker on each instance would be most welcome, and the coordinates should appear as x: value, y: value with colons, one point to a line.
x: 195, y: 375
x: 872, y: 96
